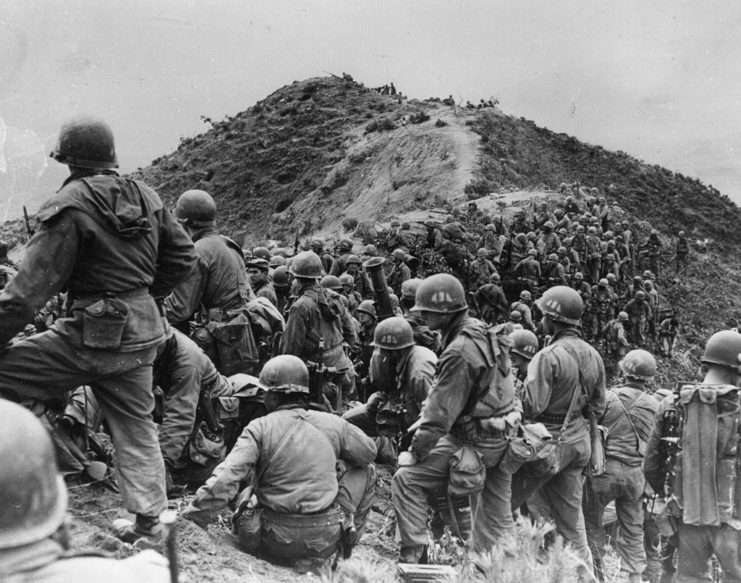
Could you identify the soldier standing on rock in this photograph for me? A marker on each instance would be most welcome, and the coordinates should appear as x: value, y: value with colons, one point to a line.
x: 112, y: 244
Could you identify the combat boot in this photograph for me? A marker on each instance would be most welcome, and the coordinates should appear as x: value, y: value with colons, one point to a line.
x: 146, y: 528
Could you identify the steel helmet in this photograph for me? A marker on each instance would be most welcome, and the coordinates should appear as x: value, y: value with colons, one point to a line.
x: 277, y: 261
x: 723, y: 348
x: 86, y: 142
x: 562, y: 304
x: 580, y: 229
x: 622, y: 317
x: 441, y: 293
x: 524, y: 343
x: 611, y: 277
x: 553, y: 257
x: 493, y: 277
x: 393, y: 333
x: 261, y: 252
x: 640, y: 295
x: 558, y: 213
x: 521, y: 238
x: 578, y: 275
x: 548, y: 226
x: 483, y: 252
x: 532, y: 252
x: 196, y: 208
x: 490, y: 227
x: 592, y: 230
x: 32, y: 490
x: 603, y: 282
x: 639, y: 364
x: 285, y: 374
x: 561, y: 251
x: 346, y: 245
x: 258, y: 263
x: 370, y: 250
x: 280, y: 276
x: 352, y: 259
x: 317, y: 244
x: 306, y: 264
x: 331, y: 282
x: 409, y: 287
x: 531, y: 235
x: 368, y: 307
x: 399, y: 254
x: 347, y: 279
x: 515, y: 316
x: 526, y: 295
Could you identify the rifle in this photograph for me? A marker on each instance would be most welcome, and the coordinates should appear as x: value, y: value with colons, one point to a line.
x: 671, y: 431
x: 29, y: 229
x: 296, y: 244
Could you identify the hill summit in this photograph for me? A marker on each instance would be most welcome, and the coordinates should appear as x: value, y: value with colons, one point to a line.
x: 323, y: 150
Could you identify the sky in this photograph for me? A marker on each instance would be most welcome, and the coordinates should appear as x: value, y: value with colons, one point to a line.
x: 660, y: 80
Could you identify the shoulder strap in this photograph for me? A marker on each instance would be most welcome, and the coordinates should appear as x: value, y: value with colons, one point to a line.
x: 632, y: 425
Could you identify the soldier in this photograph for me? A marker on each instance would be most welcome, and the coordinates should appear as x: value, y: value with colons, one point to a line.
x: 522, y: 305
x: 563, y: 259
x: 219, y: 284
x: 682, y: 250
x: 610, y: 265
x: 188, y: 380
x: 524, y: 346
x: 423, y: 336
x: 579, y: 244
x: 115, y: 247
x: 701, y: 421
x: 317, y: 246
x: 408, y: 236
x: 339, y: 265
x: 528, y: 270
x: 257, y: 270
x: 567, y: 371
x: 473, y: 403
x: 281, y: 286
x: 294, y: 492
x: 639, y: 313
x: 481, y: 268
x: 615, y: 341
x: 367, y: 318
x: 553, y: 272
x: 653, y: 248
x: 33, y: 532
x: 628, y: 418
x: 400, y: 271
x: 571, y: 207
x: 394, y: 240
x: 318, y: 327
x: 348, y: 290
x: 593, y: 255
x: 491, y: 301
x: 603, y: 300
x: 362, y: 282
x: 434, y: 235
x: 403, y: 373
x: 550, y: 239
x: 667, y: 335
x: 490, y: 241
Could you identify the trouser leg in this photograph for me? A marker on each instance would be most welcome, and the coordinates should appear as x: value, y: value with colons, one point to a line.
x: 356, y: 490
x: 127, y: 403
x: 493, y: 512
x: 596, y: 496
x: 178, y: 421
x: 564, y: 495
x: 693, y: 554
x: 629, y: 508
x: 727, y: 546
x: 410, y: 488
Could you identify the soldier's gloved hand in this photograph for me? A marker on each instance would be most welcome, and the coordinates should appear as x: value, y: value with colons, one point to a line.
x: 406, y: 458
x: 376, y: 400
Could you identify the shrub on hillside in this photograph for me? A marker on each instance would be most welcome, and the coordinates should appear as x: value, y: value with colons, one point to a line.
x: 349, y: 223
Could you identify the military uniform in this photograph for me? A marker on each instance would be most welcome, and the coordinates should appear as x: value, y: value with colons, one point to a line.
x: 467, y: 367
x: 183, y: 372
x: 409, y: 384
x: 704, y: 482
x: 639, y: 313
x: 267, y: 291
x: 568, y: 364
x: 628, y: 417
x: 492, y: 303
x: 112, y: 243
x: 291, y: 455
x: 46, y: 562
x: 218, y: 282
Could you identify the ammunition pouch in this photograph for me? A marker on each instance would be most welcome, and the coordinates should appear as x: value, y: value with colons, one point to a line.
x: 205, y: 447
x: 467, y: 472
x: 103, y: 323
x: 229, y: 343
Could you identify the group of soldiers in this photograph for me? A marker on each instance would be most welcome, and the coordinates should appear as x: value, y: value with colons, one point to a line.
x: 273, y: 382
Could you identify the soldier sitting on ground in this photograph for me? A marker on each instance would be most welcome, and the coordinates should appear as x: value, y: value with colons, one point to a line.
x: 324, y: 496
